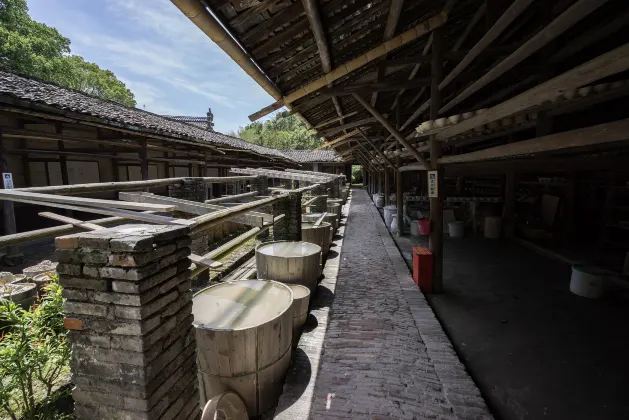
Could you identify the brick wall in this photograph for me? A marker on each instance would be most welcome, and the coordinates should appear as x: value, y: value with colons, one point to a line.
x: 260, y: 184
x: 289, y: 228
x: 129, y: 309
x: 193, y: 189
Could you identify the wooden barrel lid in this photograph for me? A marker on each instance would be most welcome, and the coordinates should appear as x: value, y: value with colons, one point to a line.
x: 299, y: 291
x: 288, y: 249
x: 240, y: 305
x: 226, y: 406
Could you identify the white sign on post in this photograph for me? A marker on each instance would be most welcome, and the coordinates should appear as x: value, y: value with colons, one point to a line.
x: 433, y: 187
x: 8, y: 180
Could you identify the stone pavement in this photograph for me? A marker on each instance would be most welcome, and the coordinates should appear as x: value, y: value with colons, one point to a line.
x: 376, y: 350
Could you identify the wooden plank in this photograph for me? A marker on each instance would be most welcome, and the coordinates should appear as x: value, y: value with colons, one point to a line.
x: 192, y: 207
x: 281, y: 174
x: 212, y: 219
x: 102, y: 186
x: 320, y: 219
x: 598, y: 134
x: 70, y: 220
x: 207, y: 262
x: 314, y: 17
x: 391, y: 130
x: 607, y: 64
x: 126, y: 214
x: 231, y: 197
x: 558, y: 26
x: 45, y: 199
x: 511, y: 14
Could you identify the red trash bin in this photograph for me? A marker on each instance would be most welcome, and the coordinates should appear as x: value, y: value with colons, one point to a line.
x: 424, y: 226
x: 422, y: 268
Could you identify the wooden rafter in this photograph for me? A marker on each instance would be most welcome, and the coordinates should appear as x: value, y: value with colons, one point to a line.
x: 314, y: 17
x: 377, y: 150
x: 558, y: 26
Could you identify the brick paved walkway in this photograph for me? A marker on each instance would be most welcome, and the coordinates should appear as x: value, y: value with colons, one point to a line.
x: 384, y: 354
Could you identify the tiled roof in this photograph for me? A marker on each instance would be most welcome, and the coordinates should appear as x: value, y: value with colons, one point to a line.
x: 200, y: 122
x: 308, y: 156
x: 13, y: 86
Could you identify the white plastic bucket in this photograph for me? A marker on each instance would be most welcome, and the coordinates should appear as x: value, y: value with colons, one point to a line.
x: 388, y: 212
x: 493, y: 225
x: 379, y: 201
x: 588, y: 281
x: 414, y: 228
x: 456, y: 229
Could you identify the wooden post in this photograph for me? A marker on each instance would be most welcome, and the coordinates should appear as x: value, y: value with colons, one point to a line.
x: 8, y: 212
x: 435, y: 242
x: 386, y: 186
x: 509, y: 207
x: 399, y: 195
x: 63, y: 162
x: 144, y: 164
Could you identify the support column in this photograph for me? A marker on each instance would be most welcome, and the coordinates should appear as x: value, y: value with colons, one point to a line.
x: 13, y: 256
x: 399, y: 195
x: 289, y: 228
x: 435, y: 242
x: 260, y: 184
x: 129, y: 308
x: 319, y: 206
x: 144, y: 163
x: 386, y: 187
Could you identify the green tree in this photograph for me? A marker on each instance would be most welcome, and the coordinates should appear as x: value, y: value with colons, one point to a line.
x: 37, y: 50
x: 285, y: 132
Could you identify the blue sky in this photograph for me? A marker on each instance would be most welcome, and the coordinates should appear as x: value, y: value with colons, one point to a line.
x: 168, y: 63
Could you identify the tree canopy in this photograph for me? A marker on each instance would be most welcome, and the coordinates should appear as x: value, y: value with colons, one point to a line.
x: 284, y: 132
x: 35, y: 49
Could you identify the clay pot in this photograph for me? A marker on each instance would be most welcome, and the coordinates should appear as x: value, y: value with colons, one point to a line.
x: 454, y: 119
x: 570, y: 94
x: 467, y: 115
x: 601, y: 87
x: 441, y: 122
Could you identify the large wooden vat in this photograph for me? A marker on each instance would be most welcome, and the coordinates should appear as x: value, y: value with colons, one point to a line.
x: 244, y: 332
x: 319, y: 235
x: 289, y: 262
x: 331, y: 218
x: 334, y: 208
x: 301, y: 300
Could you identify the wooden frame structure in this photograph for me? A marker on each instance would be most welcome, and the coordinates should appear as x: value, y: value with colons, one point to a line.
x: 340, y: 68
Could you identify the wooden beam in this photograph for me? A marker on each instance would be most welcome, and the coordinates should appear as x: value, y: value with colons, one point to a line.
x: 376, y: 87
x: 212, y: 219
x: 605, y: 65
x: 377, y: 149
x: 391, y: 130
x: 597, y: 134
x: 70, y: 220
x: 102, y: 186
x: 353, y: 124
x: 511, y: 14
x: 558, y: 26
x: 316, y: 26
x: 333, y: 120
x: 232, y: 197
x: 395, y: 11
x: 46, y: 199
x: 364, y: 59
x: 344, y: 137
x: 193, y: 207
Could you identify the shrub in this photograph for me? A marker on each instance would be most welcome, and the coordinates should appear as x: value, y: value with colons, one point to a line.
x: 34, y: 354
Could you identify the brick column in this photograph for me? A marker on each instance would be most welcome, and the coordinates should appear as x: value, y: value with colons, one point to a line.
x: 129, y: 309
x: 289, y: 228
x: 193, y: 189
x: 260, y: 184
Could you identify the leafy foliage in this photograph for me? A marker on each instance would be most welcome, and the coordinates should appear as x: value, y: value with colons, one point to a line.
x: 34, y: 355
x: 35, y: 49
x: 284, y: 132
x: 357, y: 174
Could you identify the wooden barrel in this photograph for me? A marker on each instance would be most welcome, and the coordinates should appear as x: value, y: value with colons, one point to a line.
x: 244, y: 331
x: 331, y: 218
x: 301, y: 300
x: 334, y: 208
x: 320, y: 235
x: 289, y: 262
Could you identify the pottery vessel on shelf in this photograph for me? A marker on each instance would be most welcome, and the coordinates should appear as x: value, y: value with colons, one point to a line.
x: 570, y: 94
x: 441, y: 122
x: 454, y: 119
x: 585, y: 91
x: 467, y: 115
